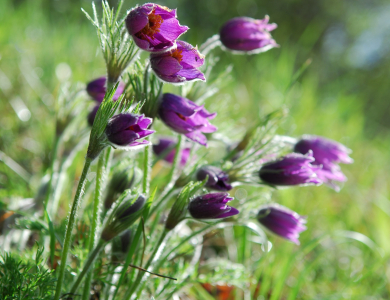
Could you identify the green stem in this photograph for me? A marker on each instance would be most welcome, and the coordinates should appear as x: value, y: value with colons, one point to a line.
x: 87, y: 265
x: 170, y: 187
x: 147, y: 170
x: 97, y: 203
x: 48, y: 197
x: 136, y: 284
x: 69, y: 228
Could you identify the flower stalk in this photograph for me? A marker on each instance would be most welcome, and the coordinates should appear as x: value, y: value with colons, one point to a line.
x: 97, y: 203
x: 69, y: 228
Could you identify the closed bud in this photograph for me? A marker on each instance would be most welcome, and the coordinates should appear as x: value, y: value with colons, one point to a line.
x: 282, y: 221
x: 212, y: 206
x: 124, y: 130
x: 248, y: 35
x: 217, y: 179
x: 128, y: 210
x: 123, y: 178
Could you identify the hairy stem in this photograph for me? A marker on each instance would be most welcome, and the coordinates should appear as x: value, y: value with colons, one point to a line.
x: 69, y: 227
x: 97, y: 203
x: 147, y: 170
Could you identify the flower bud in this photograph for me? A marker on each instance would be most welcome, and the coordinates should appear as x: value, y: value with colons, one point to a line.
x: 97, y: 89
x: 248, y: 35
x: 282, y: 221
x: 212, y: 206
x: 123, y: 178
x: 292, y: 169
x: 123, y: 216
x: 179, y: 64
x: 126, y: 128
x: 153, y: 27
x: 179, y: 208
x: 217, y: 179
x: 166, y: 149
x: 184, y: 116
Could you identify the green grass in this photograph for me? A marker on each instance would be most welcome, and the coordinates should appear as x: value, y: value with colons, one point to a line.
x: 345, y: 252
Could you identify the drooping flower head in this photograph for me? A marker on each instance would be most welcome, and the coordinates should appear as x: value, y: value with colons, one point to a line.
x: 184, y: 116
x: 126, y: 128
x: 179, y: 64
x: 153, y: 27
x: 326, y: 153
x: 248, y: 35
x: 97, y: 89
x: 212, y: 206
x: 324, y: 150
x: 292, y: 169
x: 166, y: 147
x: 282, y: 221
x: 217, y: 179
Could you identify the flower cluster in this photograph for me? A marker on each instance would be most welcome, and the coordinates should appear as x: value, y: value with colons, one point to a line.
x: 261, y: 158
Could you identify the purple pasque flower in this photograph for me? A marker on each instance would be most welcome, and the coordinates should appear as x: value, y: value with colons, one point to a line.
x: 179, y: 64
x: 153, y: 27
x: 326, y: 153
x: 292, y: 169
x: 92, y: 115
x: 282, y: 221
x: 217, y: 179
x: 184, y: 116
x: 126, y: 128
x: 248, y: 35
x: 97, y: 89
x: 212, y: 206
x: 166, y: 146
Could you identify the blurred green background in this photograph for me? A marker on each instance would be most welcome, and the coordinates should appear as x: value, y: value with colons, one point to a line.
x: 343, y: 95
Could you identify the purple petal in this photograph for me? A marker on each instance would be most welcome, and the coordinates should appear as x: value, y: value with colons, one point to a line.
x: 198, y: 137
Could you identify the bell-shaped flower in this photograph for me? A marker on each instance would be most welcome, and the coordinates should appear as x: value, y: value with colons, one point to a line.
x: 282, y: 221
x: 212, y: 206
x: 97, y: 89
x: 153, y: 27
x: 124, y: 130
x: 166, y: 149
x: 179, y: 64
x: 292, y: 169
x: 184, y: 116
x: 248, y: 35
x: 217, y: 179
x: 327, y: 153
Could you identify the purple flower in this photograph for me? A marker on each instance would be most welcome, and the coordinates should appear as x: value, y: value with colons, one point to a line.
x: 327, y: 153
x: 218, y: 180
x: 166, y: 146
x: 92, y: 115
x: 97, y: 89
x: 282, y: 221
x: 248, y: 35
x: 153, y: 27
x: 125, y: 129
x: 212, y: 206
x: 184, y: 116
x: 178, y: 65
x: 292, y: 169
